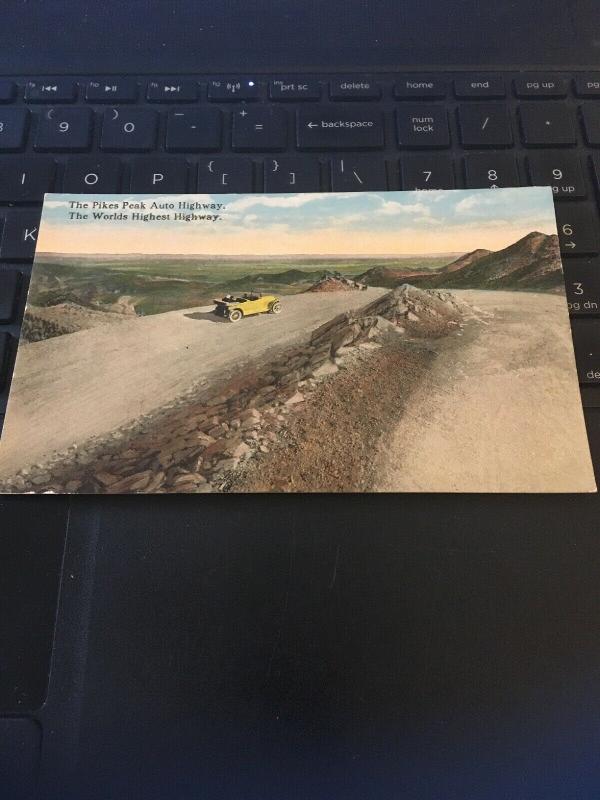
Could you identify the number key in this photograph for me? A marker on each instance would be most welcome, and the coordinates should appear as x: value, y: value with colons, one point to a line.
x: 13, y: 127
x: 132, y: 130
x: 433, y: 171
x: 490, y: 171
x: 64, y: 129
x: 582, y: 283
x: 577, y: 229
x: 561, y: 171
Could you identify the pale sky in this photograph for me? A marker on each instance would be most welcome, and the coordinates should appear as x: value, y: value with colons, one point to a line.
x: 371, y: 223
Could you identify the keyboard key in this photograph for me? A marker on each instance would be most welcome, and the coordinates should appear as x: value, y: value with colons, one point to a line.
x: 540, y: 86
x: 259, y: 130
x: 358, y: 174
x: 19, y: 236
x: 159, y: 174
x: 590, y: 115
x: 595, y: 159
x: 8, y: 91
x: 172, y: 92
x: 64, y: 129
x: 490, y: 170
x: 193, y: 130
x: 225, y: 175
x: 354, y: 89
x: 562, y: 171
x: 101, y: 176
x: 587, y: 85
x: 294, y: 89
x: 233, y: 90
x: 339, y: 128
x: 419, y: 87
x: 13, y: 128
x: 422, y: 126
x: 577, y: 229
x: 427, y: 171
x: 9, y: 285
x: 129, y: 130
x: 480, y: 86
x: 546, y: 124
x: 51, y: 91
x: 586, y: 338
x: 113, y: 90
x: 289, y: 174
x: 484, y: 125
x: 582, y: 284
x: 26, y: 179
x: 4, y: 357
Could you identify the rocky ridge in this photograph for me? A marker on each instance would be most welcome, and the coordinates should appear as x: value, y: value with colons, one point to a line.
x: 532, y: 262
x: 198, y: 442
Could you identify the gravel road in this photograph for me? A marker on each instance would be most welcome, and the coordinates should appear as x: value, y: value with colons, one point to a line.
x: 499, y: 411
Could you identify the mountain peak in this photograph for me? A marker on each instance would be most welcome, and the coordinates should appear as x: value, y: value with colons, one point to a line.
x: 532, y: 262
x: 466, y: 260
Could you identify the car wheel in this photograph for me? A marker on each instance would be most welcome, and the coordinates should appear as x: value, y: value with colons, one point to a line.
x: 235, y: 315
x: 275, y: 307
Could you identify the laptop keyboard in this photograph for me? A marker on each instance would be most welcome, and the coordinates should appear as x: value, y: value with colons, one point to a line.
x: 304, y: 133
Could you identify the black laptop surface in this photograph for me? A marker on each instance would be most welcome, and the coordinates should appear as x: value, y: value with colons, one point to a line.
x: 286, y: 646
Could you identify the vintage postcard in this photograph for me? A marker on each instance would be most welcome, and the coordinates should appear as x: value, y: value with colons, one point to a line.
x: 357, y: 342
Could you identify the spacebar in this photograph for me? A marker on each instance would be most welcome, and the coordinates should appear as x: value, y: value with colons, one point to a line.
x: 339, y: 128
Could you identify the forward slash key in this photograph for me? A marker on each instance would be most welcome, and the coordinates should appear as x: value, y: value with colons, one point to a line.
x: 339, y: 128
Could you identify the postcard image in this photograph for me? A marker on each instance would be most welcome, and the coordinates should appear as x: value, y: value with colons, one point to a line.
x: 339, y: 342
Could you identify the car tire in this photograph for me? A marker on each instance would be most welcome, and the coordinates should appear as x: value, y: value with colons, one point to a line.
x: 235, y: 315
x: 275, y: 307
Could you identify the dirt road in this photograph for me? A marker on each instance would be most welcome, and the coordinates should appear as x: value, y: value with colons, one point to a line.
x: 499, y: 411
x: 71, y: 388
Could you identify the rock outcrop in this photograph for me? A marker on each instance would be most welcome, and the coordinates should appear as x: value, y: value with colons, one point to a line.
x: 335, y: 282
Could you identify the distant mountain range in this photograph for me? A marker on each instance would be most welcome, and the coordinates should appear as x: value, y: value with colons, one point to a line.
x: 532, y: 262
x: 44, y: 255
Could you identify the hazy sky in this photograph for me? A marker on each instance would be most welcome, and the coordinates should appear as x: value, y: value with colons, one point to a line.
x: 372, y: 223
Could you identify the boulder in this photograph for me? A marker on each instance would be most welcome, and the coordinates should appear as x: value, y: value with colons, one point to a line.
x: 132, y: 483
x: 328, y: 368
x: 296, y: 398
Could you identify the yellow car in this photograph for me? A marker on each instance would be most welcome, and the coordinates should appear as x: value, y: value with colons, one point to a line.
x: 247, y: 304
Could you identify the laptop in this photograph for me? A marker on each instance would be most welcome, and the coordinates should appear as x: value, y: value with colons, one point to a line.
x: 293, y: 646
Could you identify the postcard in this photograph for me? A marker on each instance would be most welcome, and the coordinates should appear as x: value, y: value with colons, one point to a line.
x: 339, y: 342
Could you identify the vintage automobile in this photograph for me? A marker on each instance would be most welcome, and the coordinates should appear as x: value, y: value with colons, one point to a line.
x: 247, y: 304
